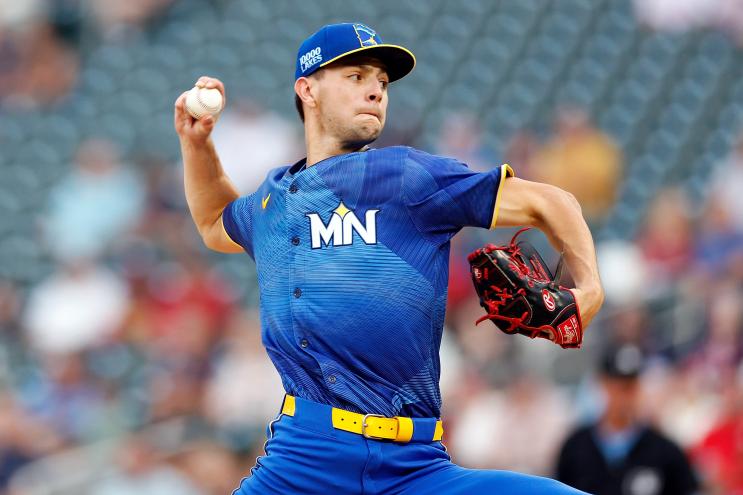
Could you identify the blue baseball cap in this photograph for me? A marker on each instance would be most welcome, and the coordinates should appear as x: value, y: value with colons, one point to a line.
x: 335, y: 41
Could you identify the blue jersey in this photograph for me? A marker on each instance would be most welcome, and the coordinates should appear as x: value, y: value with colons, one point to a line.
x: 352, y: 256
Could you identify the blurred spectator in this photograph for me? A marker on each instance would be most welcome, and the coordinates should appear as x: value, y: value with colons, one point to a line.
x: 18, y: 15
x: 67, y: 399
x: 520, y: 153
x: 80, y: 305
x: 677, y: 15
x: 719, y: 240
x: 720, y: 453
x: 629, y: 325
x: 22, y: 439
x: 620, y: 454
x: 460, y: 290
x: 726, y: 186
x: 142, y: 470
x: 489, y: 352
x: 583, y: 160
x: 251, y: 141
x: 489, y: 432
x: 170, y: 296
x: 683, y: 406
x: 682, y: 15
x: 666, y: 237
x: 38, y: 67
x: 623, y: 272
x: 461, y: 138
x: 117, y: 19
x: 12, y: 343
x: 97, y: 202
x: 240, y: 412
x: 50, y: 68
x: 213, y: 468
x: 722, y: 348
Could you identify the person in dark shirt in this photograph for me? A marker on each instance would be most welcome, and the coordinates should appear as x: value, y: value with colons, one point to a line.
x: 619, y: 454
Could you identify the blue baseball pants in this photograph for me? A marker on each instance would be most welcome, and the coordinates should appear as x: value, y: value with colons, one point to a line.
x: 304, y: 454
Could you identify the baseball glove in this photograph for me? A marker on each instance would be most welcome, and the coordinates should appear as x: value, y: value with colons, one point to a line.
x: 521, y: 295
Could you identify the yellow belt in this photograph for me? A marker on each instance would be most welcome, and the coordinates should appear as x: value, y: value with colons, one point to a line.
x: 398, y: 428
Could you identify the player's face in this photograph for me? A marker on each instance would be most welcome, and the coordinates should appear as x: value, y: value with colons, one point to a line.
x: 352, y: 100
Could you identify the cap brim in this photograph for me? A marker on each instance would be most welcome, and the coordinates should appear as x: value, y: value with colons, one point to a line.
x: 399, y: 60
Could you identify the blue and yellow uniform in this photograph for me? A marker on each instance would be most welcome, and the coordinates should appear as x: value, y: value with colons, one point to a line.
x: 352, y: 256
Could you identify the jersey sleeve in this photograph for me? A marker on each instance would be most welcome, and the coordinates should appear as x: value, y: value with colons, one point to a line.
x: 237, y: 218
x: 443, y: 195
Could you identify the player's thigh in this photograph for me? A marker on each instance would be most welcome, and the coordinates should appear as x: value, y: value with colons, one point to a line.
x: 298, y: 460
x: 455, y: 480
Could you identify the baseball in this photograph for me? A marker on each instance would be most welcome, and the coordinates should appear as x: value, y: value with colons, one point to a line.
x: 203, y: 101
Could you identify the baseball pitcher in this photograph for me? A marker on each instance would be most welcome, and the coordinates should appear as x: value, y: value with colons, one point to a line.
x: 351, y: 246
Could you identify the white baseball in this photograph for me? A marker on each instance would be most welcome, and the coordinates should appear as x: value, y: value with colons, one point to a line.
x: 203, y: 101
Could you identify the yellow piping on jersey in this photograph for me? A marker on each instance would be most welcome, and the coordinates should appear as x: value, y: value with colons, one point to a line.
x: 505, y: 171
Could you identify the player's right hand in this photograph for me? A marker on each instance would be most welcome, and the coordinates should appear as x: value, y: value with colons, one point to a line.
x: 196, y: 130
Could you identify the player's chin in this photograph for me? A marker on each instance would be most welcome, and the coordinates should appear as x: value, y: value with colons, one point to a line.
x: 360, y: 138
x: 370, y: 128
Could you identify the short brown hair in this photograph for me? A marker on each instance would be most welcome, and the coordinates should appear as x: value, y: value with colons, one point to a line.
x: 298, y: 104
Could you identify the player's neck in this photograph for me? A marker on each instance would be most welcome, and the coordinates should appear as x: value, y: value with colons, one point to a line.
x: 322, y: 146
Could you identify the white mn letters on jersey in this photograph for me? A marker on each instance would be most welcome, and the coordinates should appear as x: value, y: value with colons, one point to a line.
x: 341, y: 226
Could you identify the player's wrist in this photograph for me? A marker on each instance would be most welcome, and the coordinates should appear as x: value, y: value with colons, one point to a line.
x: 195, y: 143
x: 589, y: 300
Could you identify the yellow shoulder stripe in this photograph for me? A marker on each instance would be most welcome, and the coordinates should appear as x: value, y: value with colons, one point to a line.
x: 505, y: 171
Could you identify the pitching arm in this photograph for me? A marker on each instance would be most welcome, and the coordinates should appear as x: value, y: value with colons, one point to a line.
x: 208, y: 189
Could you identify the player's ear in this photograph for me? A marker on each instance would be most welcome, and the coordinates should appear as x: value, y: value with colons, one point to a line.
x: 304, y: 89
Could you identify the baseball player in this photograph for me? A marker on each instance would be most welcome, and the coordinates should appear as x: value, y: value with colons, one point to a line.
x: 351, y: 246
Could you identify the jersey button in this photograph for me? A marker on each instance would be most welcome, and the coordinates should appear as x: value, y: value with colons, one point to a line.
x: 293, y: 188
x: 331, y: 379
x: 297, y: 292
x: 304, y: 343
x: 295, y: 241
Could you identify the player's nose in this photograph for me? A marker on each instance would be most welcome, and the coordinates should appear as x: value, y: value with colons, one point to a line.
x: 374, y: 93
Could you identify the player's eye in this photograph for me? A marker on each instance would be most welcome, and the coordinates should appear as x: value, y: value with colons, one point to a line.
x: 355, y: 77
x: 384, y: 83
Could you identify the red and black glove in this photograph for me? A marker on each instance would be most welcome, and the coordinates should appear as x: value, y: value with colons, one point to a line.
x: 521, y: 295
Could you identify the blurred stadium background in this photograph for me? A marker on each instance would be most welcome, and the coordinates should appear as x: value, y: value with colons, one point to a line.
x: 130, y: 357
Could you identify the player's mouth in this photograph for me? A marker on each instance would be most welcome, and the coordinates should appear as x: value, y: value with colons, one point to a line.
x: 373, y: 114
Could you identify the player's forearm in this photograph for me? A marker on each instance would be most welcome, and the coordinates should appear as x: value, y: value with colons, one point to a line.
x: 556, y: 213
x: 208, y: 189
x: 559, y: 216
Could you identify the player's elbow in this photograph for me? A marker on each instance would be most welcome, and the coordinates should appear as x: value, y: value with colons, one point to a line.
x: 210, y: 243
x: 221, y: 246
x: 553, y: 201
x: 570, y: 197
x: 215, y: 238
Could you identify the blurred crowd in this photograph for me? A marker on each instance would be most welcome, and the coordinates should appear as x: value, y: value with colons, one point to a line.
x: 136, y: 366
x: 41, y: 43
x: 139, y: 359
x: 680, y: 15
